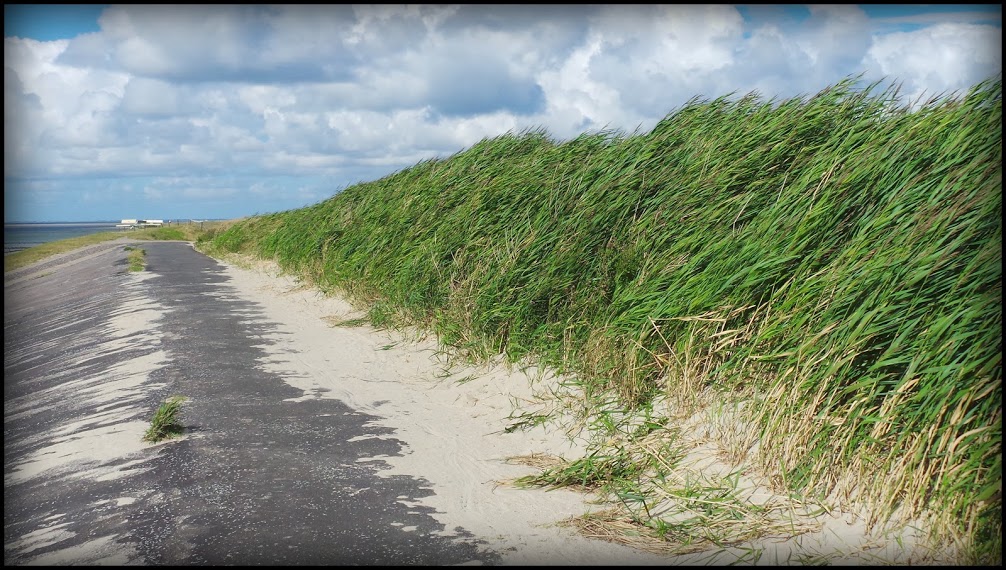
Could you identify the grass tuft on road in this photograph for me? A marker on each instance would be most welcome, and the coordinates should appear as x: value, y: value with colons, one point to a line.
x: 166, y: 422
x: 137, y: 258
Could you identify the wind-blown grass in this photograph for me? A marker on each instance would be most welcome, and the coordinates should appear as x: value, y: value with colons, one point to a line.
x: 166, y: 421
x: 836, y: 259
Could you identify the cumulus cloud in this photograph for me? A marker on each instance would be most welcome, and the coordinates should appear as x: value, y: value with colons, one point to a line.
x: 648, y: 58
x: 143, y: 96
x: 940, y: 59
x: 288, y: 104
x: 217, y: 43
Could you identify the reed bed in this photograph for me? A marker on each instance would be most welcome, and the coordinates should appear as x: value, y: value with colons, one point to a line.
x: 836, y: 258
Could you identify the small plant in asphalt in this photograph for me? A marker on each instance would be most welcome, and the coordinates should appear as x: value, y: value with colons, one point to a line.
x: 137, y: 258
x: 166, y: 421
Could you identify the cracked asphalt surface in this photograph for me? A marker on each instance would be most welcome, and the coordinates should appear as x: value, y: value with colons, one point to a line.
x: 257, y: 479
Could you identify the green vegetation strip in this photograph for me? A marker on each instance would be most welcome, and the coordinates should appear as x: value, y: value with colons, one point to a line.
x: 835, y: 259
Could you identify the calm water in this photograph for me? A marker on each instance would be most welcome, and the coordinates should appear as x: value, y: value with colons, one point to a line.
x: 22, y: 236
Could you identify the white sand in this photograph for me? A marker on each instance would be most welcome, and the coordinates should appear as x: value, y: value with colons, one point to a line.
x: 454, y: 432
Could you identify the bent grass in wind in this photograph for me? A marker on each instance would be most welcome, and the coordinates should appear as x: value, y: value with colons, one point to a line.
x: 137, y: 258
x: 166, y: 422
x: 830, y: 264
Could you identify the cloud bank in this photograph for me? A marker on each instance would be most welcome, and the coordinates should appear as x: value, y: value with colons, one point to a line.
x: 226, y: 111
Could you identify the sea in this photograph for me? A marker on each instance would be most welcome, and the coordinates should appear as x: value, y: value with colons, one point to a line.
x: 20, y: 236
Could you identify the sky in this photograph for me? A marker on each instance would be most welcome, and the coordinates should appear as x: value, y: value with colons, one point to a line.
x: 225, y: 111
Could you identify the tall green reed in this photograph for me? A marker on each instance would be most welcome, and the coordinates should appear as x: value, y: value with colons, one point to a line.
x: 837, y: 258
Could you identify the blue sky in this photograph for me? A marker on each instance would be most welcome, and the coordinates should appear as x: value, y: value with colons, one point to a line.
x: 177, y: 112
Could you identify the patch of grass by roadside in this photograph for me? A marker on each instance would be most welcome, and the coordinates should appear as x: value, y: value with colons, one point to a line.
x: 137, y: 258
x: 166, y: 422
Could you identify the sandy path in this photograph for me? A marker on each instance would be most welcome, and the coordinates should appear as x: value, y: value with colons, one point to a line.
x: 454, y: 430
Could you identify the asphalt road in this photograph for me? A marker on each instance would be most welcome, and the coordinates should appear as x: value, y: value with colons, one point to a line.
x: 256, y: 480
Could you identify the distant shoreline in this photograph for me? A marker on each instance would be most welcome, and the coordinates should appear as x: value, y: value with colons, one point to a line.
x: 23, y: 224
x: 21, y: 236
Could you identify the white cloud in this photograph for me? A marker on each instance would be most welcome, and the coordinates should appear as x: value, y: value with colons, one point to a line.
x: 575, y: 99
x: 963, y: 17
x: 834, y: 34
x: 340, y: 94
x: 260, y: 98
x: 144, y: 96
x: 940, y: 59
